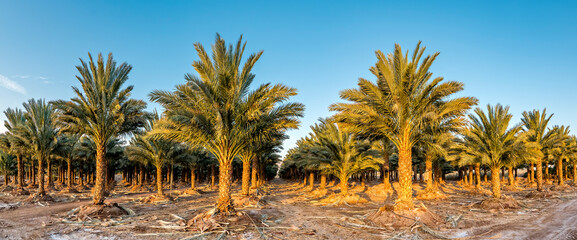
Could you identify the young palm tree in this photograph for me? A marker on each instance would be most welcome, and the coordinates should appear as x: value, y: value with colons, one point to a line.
x: 7, y: 163
x: 101, y: 110
x: 211, y: 109
x: 490, y: 138
x: 39, y: 132
x: 398, y: 106
x: 12, y: 144
x: 65, y: 149
x: 157, y: 151
x: 269, y: 126
x: 535, y: 125
x: 347, y: 154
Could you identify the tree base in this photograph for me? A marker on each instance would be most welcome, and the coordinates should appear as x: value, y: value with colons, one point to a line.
x: 388, y: 216
x: 540, y: 194
x: 101, y: 211
x: 318, y: 193
x: 69, y: 190
x: 7, y: 188
x: 140, y: 188
x: 380, y: 191
x: 157, y: 199
x: 190, y: 192
x: 339, y: 199
x: 212, y: 220
x: 505, y: 202
x: 39, y: 198
x: 431, y: 194
x: 510, y: 188
x: 480, y: 191
x: 20, y: 192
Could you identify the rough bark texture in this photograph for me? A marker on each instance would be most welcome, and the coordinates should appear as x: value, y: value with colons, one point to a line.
x: 212, y: 173
x: 311, y: 179
x: 344, y: 184
x: 405, y: 192
x: 511, y: 176
x: 20, y: 183
x: 539, y: 175
x: 429, y: 171
x: 478, y: 175
x: 246, y: 176
x: 224, y: 203
x: 49, y: 171
x: 192, y: 178
x: 101, y: 167
x: 254, y: 183
x: 41, y: 191
x: 159, y: 189
x: 324, y: 181
x: 69, y: 173
x: 574, y: 174
x: 495, y: 182
x: 386, y: 171
x: 560, y: 180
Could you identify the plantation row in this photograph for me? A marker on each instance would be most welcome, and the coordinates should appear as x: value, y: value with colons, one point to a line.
x: 402, y: 126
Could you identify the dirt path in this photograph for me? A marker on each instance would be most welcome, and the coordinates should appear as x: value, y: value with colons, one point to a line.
x: 558, y: 221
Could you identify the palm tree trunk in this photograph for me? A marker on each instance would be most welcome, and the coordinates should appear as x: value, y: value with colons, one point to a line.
x: 574, y: 174
x: 49, y: 168
x: 192, y: 179
x: 253, y: 183
x: 539, y: 165
x: 324, y: 181
x: 405, y: 192
x: 246, y: 176
x: 495, y: 182
x: 560, y: 171
x: 311, y: 179
x: 212, y: 173
x: 100, y: 183
x: 478, y: 175
x: 511, y: 176
x: 224, y: 202
x: 471, y: 174
x: 159, y: 189
x: 344, y: 184
x: 20, y: 185
x: 386, y: 172
x: 429, y: 171
x: 69, y: 173
x: 41, y: 191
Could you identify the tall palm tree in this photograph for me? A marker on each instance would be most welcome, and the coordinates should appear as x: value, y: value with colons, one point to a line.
x: 491, y: 138
x: 535, y: 124
x: 39, y: 132
x: 212, y: 108
x: 101, y: 110
x: 12, y: 144
x: 398, y: 106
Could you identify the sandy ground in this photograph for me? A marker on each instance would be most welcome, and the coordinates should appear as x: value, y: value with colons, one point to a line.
x: 289, y: 211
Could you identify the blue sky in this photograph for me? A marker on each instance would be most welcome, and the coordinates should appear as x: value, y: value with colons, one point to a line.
x: 517, y: 53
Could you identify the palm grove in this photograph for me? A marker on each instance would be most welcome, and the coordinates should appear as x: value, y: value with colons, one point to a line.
x: 403, y: 126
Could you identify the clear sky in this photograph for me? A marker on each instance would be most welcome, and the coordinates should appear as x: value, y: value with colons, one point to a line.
x: 517, y: 53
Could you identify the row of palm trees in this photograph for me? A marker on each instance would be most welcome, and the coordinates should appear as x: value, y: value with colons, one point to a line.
x: 215, y: 113
x: 407, y: 111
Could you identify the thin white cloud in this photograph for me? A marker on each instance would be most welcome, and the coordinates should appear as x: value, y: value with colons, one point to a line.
x: 21, y: 76
x: 47, y: 82
x: 42, y: 78
x: 11, y: 85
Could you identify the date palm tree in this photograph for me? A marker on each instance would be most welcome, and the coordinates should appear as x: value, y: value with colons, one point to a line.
x: 491, y: 139
x: 39, y: 133
x: 12, y: 144
x: 212, y: 108
x: 65, y: 150
x: 535, y: 125
x: 269, y: 127
x: 398, y: 106
x: 101, y: 110
x: 558, y: 151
